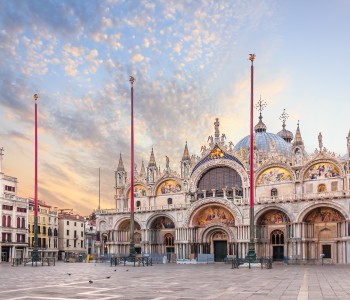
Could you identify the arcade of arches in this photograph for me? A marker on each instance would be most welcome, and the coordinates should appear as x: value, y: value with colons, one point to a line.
x: 301, y: 202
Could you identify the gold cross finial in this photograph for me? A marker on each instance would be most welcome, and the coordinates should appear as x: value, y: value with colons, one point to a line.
x: 36, y: 96
x: 283, y: 117
x: 132, y: 79
x: 252, y: 57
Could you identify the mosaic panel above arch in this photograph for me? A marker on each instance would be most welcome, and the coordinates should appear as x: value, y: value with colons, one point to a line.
x: 274, y: 174
x: 322, y: 170
x: 168, y: 187
x: 213, y: 214
x: 139, y: 191
x: 323, y: 215
x: 272, y: 217
x: 162, y: 223
x: 125, y: 225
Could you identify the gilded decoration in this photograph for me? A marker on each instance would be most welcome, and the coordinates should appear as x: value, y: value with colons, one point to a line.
x: 139, y: 191
x: 216, y: 153
x: 213, y: 214
x: 168, y: 187
x: 275, y: 174
x: 273, y: 217
x: 324, y: 214
x: 125, y: 225
x: 322, y: 171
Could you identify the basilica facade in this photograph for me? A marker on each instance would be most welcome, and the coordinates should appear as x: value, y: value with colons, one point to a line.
x: 302, y: 202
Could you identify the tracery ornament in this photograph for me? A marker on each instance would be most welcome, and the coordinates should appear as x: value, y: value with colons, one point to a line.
x: 199, y: 172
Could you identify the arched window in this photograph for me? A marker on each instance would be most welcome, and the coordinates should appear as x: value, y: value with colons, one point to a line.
x: 274, y: 192
x: 277, y: 237
x: 8, y: 221
x: 169, y: 239
x: 3, y: 221
x: 18, y: 222
x: 138, y: 203
x: 55, y: 232
x: 23, y: 223
x: 219, y: 178
x: 170, y: 201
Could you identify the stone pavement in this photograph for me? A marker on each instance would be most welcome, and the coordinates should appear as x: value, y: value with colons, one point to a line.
x: 171, y: 281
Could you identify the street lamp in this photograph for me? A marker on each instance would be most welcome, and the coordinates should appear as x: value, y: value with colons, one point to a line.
x: 35, y: 253
x: 132, y: 252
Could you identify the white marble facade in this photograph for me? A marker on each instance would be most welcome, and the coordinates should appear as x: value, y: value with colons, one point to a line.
x: 302, y: 202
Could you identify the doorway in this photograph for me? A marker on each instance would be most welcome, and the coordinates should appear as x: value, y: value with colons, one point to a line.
x: 327, y: 251
x: 220, y: 250
x: 277, y: 253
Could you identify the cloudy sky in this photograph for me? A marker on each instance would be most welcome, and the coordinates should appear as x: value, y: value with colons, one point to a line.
x: 190, y: 62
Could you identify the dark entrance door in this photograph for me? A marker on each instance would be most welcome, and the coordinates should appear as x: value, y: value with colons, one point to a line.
x: 278, y: 252
x: 220, y: 250
x: 326, y: 250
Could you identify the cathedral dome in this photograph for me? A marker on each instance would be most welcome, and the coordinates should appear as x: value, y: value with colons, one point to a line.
x: 265, y: 142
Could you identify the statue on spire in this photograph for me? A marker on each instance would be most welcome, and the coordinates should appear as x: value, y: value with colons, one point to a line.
x: 320, y: 143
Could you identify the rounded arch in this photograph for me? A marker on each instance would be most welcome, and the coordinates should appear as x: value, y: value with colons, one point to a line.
x: 140, y: 190
x: 224, y: 203
x: 321, y: 168
x: 153, y: 218
x: 273, y: 217
x: 274, y: 173
x: 212, y: 214
x: 272, y: 207
x: 167, y: 186
x: 211, y: 164
x: 124, y: 221
x: 214, y: 228
x: 302, y: 215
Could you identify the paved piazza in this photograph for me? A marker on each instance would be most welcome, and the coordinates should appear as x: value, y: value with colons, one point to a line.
x: 171, y: 281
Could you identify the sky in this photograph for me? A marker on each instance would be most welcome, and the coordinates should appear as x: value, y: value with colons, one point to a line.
x: 190, y: 63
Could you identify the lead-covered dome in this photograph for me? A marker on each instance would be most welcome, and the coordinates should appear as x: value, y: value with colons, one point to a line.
x: 265, y: 142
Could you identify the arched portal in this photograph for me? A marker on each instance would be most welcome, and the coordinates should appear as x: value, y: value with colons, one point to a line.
x: 324, y: 226
x: 216, y: 242
x: 161, y: 235
x: 122, y: 236
x: 277, y: 242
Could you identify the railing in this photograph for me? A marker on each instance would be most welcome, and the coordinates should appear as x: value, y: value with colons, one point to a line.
x: 238, y: 200
x: 265, y: 262
x: 144, y: 261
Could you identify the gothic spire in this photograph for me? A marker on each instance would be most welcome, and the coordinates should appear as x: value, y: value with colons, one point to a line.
x: 152, y: 160
x: 142, y: 171
x: 298, y: 140
x: 120, y: 164
x: 186, y: 155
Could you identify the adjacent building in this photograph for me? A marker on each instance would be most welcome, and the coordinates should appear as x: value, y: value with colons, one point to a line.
x: 302, y: 201
x: 14, y: 219
x: 47, y: 229
x: 71, y: 235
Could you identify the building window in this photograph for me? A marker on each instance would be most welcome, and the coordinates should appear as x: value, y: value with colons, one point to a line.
x: 8, y: 221
x: 170, y: 201
x: 67, y: 232
x: 277, y: 237
x: 3, y: 221
x: 18, y: 222
x: 44, y: 230
x: 82, y: 224
x: 55, y: 232
x: 75, y: 243
x: 138, y: 203
x: 81, y: 233
x: 75, y: 234
x: 169, y: 239
x: 67, y: 222
x: 23, y: 223
x: 10, y: 188
x: 7, y: 207
x: 274, y: 192
x: 21, y: 209
x: 81, y: 244
x: 75, y: 223
x: 67, y: 243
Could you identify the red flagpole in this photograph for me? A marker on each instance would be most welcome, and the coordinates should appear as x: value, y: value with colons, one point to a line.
x: 35, y: 253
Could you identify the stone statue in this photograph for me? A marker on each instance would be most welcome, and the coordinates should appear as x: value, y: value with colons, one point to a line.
x: 320, y: 144
x: 223, y: 137
x: 216, y: 125
x: 167, y: 162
